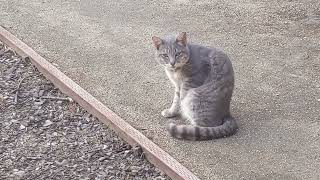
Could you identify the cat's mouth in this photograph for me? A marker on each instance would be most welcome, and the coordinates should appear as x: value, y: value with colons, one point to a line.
x: 172, y: 66
x: 175, y: 67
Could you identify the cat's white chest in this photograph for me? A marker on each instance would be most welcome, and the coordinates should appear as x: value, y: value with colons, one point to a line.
x: 175, y: 77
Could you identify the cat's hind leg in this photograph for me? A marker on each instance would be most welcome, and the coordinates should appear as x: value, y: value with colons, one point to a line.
x: 187, y: 109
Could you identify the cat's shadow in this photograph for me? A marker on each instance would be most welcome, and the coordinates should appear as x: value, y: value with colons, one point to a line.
x: 177, y: 120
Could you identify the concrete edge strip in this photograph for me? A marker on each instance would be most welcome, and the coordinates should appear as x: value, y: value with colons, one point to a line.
x: 154, y: 153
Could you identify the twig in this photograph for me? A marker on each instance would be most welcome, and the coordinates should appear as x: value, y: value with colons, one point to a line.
x: 17, y: 91
x: 16, y: 97
x: 57, y: 98
x: 18, y: 86
x: 12, y: 69
x: 1, y: 51
x: 33, y: 158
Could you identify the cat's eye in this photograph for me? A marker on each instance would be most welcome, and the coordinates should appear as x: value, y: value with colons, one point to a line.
x: 164, y: 55
x: 178, y: 54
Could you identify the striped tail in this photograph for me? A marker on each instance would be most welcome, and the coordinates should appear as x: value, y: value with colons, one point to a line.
x: 199, y: 133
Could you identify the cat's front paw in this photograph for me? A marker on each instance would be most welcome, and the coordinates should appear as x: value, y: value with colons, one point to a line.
x: 169, y: 113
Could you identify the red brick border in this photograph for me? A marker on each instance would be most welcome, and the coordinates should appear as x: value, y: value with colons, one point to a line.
x: 154, y: 153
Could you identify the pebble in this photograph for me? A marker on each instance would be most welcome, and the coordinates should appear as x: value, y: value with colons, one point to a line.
x: 39, y: 111
x: 102, y: 158
x: 160, y: 178
x: 135, y: 168
x: 7, y: 123
x: 22, y: 126
x: 41, y: 92
x: 39, y: 102
x: 63, y: 162
x: 60, y: 116
x: 14, y: 121
x: 56, y: 65
x: 47, y: 123
x: 25, y: 122
x: 18, y: 172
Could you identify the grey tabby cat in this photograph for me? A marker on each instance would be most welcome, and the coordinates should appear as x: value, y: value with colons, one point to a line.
x: 203, y: 79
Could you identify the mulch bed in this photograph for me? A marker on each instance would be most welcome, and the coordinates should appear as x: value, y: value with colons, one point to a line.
x: 45, y: 135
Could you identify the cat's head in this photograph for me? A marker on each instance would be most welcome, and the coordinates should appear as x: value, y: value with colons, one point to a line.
x: 172, y: 51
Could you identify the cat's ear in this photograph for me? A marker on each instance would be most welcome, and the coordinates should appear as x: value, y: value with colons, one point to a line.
x: 156, y: 42
x: 182, y: 38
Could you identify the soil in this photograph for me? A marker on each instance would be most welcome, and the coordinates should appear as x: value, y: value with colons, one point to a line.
x: 46, y: 135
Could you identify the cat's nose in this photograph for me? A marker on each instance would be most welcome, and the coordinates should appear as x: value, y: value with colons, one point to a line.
x: 172, y: 63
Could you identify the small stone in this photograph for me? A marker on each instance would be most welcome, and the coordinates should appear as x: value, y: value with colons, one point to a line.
x: 39, y: 111
x: 87, y: 119
x: 135, y: 168
x: 104, y: 147
x: 60, y: 116
x: 74, y: 166
x: 70, y: 99
x: 7, y: 123
x: 24, y: 123
x: 35, y: 94
x: 54, y: 134
x: 160, y: 178
x: 22, y: 126
x: 102, y: 174
x: 47, y: 123
x: 56, y: 65
x: 137, y: 151
x: 109, y: 167
x: 18, y: 173
x: 63, y: 162
x: 41, y: 92
x: 102, y: 158
x: 1, y: 100
x: 126, y: 153
x: 14, y: 121
x: 39, y: 102
x: 112, y: 177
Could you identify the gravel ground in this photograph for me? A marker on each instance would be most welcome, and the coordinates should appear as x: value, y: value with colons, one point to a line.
x: 45, y: 135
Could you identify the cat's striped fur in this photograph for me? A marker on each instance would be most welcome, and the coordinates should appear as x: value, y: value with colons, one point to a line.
x: 204, y: 81
x: 199, y: 133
